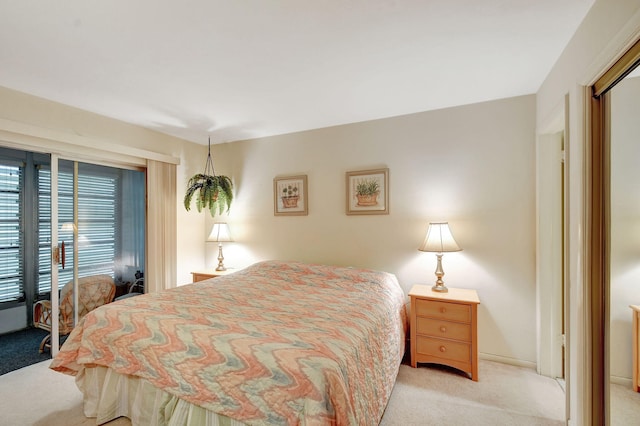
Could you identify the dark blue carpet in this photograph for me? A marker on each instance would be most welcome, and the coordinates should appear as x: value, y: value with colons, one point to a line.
x: 20, y: 349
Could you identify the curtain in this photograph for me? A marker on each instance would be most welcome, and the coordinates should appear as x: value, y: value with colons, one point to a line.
x: 161, y: 269
x: 131, y: 224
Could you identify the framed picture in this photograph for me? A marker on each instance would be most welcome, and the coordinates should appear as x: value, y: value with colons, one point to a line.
x: 368, y: 192
x: 290, y: 196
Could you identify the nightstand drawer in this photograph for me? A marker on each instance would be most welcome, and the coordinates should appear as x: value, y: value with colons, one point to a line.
x: 444, y: 329
x: 443, y: 310
x: 445, y: 349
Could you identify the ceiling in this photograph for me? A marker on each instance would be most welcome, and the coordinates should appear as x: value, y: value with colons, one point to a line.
x: 241, y: 69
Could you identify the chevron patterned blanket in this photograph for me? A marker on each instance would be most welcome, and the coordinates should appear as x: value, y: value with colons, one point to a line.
x: 277, y: 343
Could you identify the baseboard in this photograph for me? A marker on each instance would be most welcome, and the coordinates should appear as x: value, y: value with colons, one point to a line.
x: 624, y: 381
x: 507, y: 360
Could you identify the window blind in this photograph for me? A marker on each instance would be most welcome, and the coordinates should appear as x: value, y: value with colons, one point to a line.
x: 11, y: 283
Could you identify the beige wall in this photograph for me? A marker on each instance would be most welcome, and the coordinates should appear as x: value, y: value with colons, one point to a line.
x: 470, y: 165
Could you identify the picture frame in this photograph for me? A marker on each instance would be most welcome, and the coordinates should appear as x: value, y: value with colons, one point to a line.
x: 367, y: 192
x: 290, y: 196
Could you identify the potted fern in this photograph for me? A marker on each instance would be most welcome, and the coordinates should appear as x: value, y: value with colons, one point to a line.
x: 214, y: 192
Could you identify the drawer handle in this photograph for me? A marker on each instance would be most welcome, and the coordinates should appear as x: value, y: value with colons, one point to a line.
x: 443, y: 310
x: 443, y: 349
x: 443, y: 329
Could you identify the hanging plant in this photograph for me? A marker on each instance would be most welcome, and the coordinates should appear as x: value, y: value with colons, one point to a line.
x: 214, y: 193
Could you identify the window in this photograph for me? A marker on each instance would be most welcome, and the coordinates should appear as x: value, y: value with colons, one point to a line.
x: 11, y: 282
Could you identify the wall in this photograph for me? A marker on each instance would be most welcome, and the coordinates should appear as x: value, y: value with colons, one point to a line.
x: 625, y: 222
x: 609, y: 28
x: 471, y: 165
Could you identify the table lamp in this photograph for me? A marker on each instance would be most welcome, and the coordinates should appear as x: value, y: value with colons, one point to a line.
x: 220, y: 233
x: 439, y: 240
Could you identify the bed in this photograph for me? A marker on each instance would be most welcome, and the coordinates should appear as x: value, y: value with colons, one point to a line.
x: 277, y: 343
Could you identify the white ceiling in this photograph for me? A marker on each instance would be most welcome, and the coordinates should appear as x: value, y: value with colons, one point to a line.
x: 239, y: 69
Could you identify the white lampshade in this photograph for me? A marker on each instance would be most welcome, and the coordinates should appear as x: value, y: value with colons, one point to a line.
x: 439, y: 239
x: 220, y: 232
x: 68, y: 227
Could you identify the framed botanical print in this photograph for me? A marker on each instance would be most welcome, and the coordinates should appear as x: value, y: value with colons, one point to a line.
x: 368, y: 192
x: 290, y: 196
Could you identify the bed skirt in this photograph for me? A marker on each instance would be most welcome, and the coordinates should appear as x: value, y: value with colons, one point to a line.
x: 109, y: 395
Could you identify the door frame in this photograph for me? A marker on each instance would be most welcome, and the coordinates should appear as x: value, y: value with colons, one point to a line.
x: 55, y: 302
x: 549, y: 257
x: 552, y: 250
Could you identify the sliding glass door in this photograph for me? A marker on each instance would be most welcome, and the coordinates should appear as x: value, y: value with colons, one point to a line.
x: 62, y: 220
x: 100, y: 231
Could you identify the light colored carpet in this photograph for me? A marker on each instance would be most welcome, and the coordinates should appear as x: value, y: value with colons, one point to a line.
x: 625, y: 405
x: 38, y: 396
x: 504, y: 395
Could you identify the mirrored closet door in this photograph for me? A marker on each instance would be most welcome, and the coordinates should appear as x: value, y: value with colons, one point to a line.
x: 624, y: 267
x: 613, y: 232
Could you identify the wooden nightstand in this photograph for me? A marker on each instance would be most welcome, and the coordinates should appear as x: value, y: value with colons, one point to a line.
x: 205, y: 275
x: 444, y: 328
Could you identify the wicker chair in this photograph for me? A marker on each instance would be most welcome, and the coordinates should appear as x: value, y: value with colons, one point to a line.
x: 93, y: 291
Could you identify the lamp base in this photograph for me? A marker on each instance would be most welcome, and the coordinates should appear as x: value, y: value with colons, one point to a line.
x: 439, y: 285
x: 220, y: 259
x: 440, y: 288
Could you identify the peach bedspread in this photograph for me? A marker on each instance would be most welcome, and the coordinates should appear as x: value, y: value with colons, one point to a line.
x: 276, y: 343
